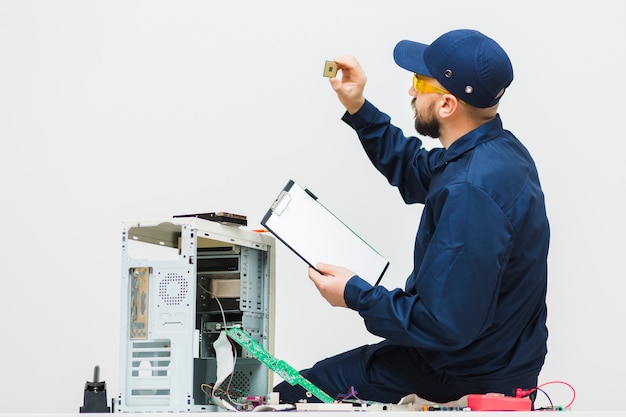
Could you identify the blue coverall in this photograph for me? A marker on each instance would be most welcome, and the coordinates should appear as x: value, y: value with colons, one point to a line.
x: 472, y: 315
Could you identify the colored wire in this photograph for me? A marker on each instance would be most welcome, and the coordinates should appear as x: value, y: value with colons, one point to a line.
x: 352, y: 393
x: 225, y: 392
x: 218, y: 303
x: 537, y: 388
x: 548, y: 397
x: 564, y: 383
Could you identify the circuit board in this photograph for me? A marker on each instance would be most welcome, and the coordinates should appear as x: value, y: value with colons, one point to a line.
x: 280, y: 367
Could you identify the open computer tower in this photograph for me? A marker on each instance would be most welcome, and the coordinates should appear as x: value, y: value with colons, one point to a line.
x: 184, y: 280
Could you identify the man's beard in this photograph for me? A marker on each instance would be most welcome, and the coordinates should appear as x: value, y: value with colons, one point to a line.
x: 427, y: 127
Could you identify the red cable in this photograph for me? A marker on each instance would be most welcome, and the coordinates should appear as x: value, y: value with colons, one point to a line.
x: 560, y: 382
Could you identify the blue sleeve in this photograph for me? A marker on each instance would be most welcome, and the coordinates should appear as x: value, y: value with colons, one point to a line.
x: 402, y: 160
x: 452, y: 296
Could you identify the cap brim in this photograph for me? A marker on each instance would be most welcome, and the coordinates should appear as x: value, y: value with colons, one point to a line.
x: 410, y: 56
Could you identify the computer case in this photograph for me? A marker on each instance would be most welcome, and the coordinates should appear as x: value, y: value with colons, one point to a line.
x: 184, y: 280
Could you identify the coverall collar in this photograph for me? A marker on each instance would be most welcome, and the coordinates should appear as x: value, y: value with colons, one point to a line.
x: 483, y: 133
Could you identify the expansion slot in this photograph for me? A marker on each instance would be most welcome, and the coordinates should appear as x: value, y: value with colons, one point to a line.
x: 280, y: 367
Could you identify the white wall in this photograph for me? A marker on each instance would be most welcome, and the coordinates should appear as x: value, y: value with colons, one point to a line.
x: 114, y: 110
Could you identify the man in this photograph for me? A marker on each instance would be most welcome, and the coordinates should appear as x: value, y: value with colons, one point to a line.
x: 472, y: 316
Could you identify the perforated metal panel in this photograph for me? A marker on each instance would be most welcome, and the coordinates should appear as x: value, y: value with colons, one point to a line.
x: 240, y: 381
x: 173, y: 289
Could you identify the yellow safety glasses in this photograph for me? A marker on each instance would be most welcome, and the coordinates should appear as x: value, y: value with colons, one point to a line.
x: 422, y: 87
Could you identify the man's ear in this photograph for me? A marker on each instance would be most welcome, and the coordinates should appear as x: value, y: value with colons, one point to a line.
x: 448, y: 105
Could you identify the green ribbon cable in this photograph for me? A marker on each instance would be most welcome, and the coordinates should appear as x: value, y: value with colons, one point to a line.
x: 282, y: 368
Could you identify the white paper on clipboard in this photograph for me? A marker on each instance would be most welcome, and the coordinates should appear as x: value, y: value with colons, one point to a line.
x: 316, y: 235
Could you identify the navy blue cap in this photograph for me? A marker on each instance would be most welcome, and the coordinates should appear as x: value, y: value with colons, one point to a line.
x: 467, y: 63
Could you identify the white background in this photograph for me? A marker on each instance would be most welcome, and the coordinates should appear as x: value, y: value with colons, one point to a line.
x: 116, y: 110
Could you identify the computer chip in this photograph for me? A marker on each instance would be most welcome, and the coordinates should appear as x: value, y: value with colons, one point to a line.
x: 330, y: 69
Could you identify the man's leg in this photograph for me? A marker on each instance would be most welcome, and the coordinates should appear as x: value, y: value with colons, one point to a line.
x: 333, y: 375
x: 385, y: 373
x: 382, y: 372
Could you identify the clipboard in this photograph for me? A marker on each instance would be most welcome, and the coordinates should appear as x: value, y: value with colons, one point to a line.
x: 316, y: 235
